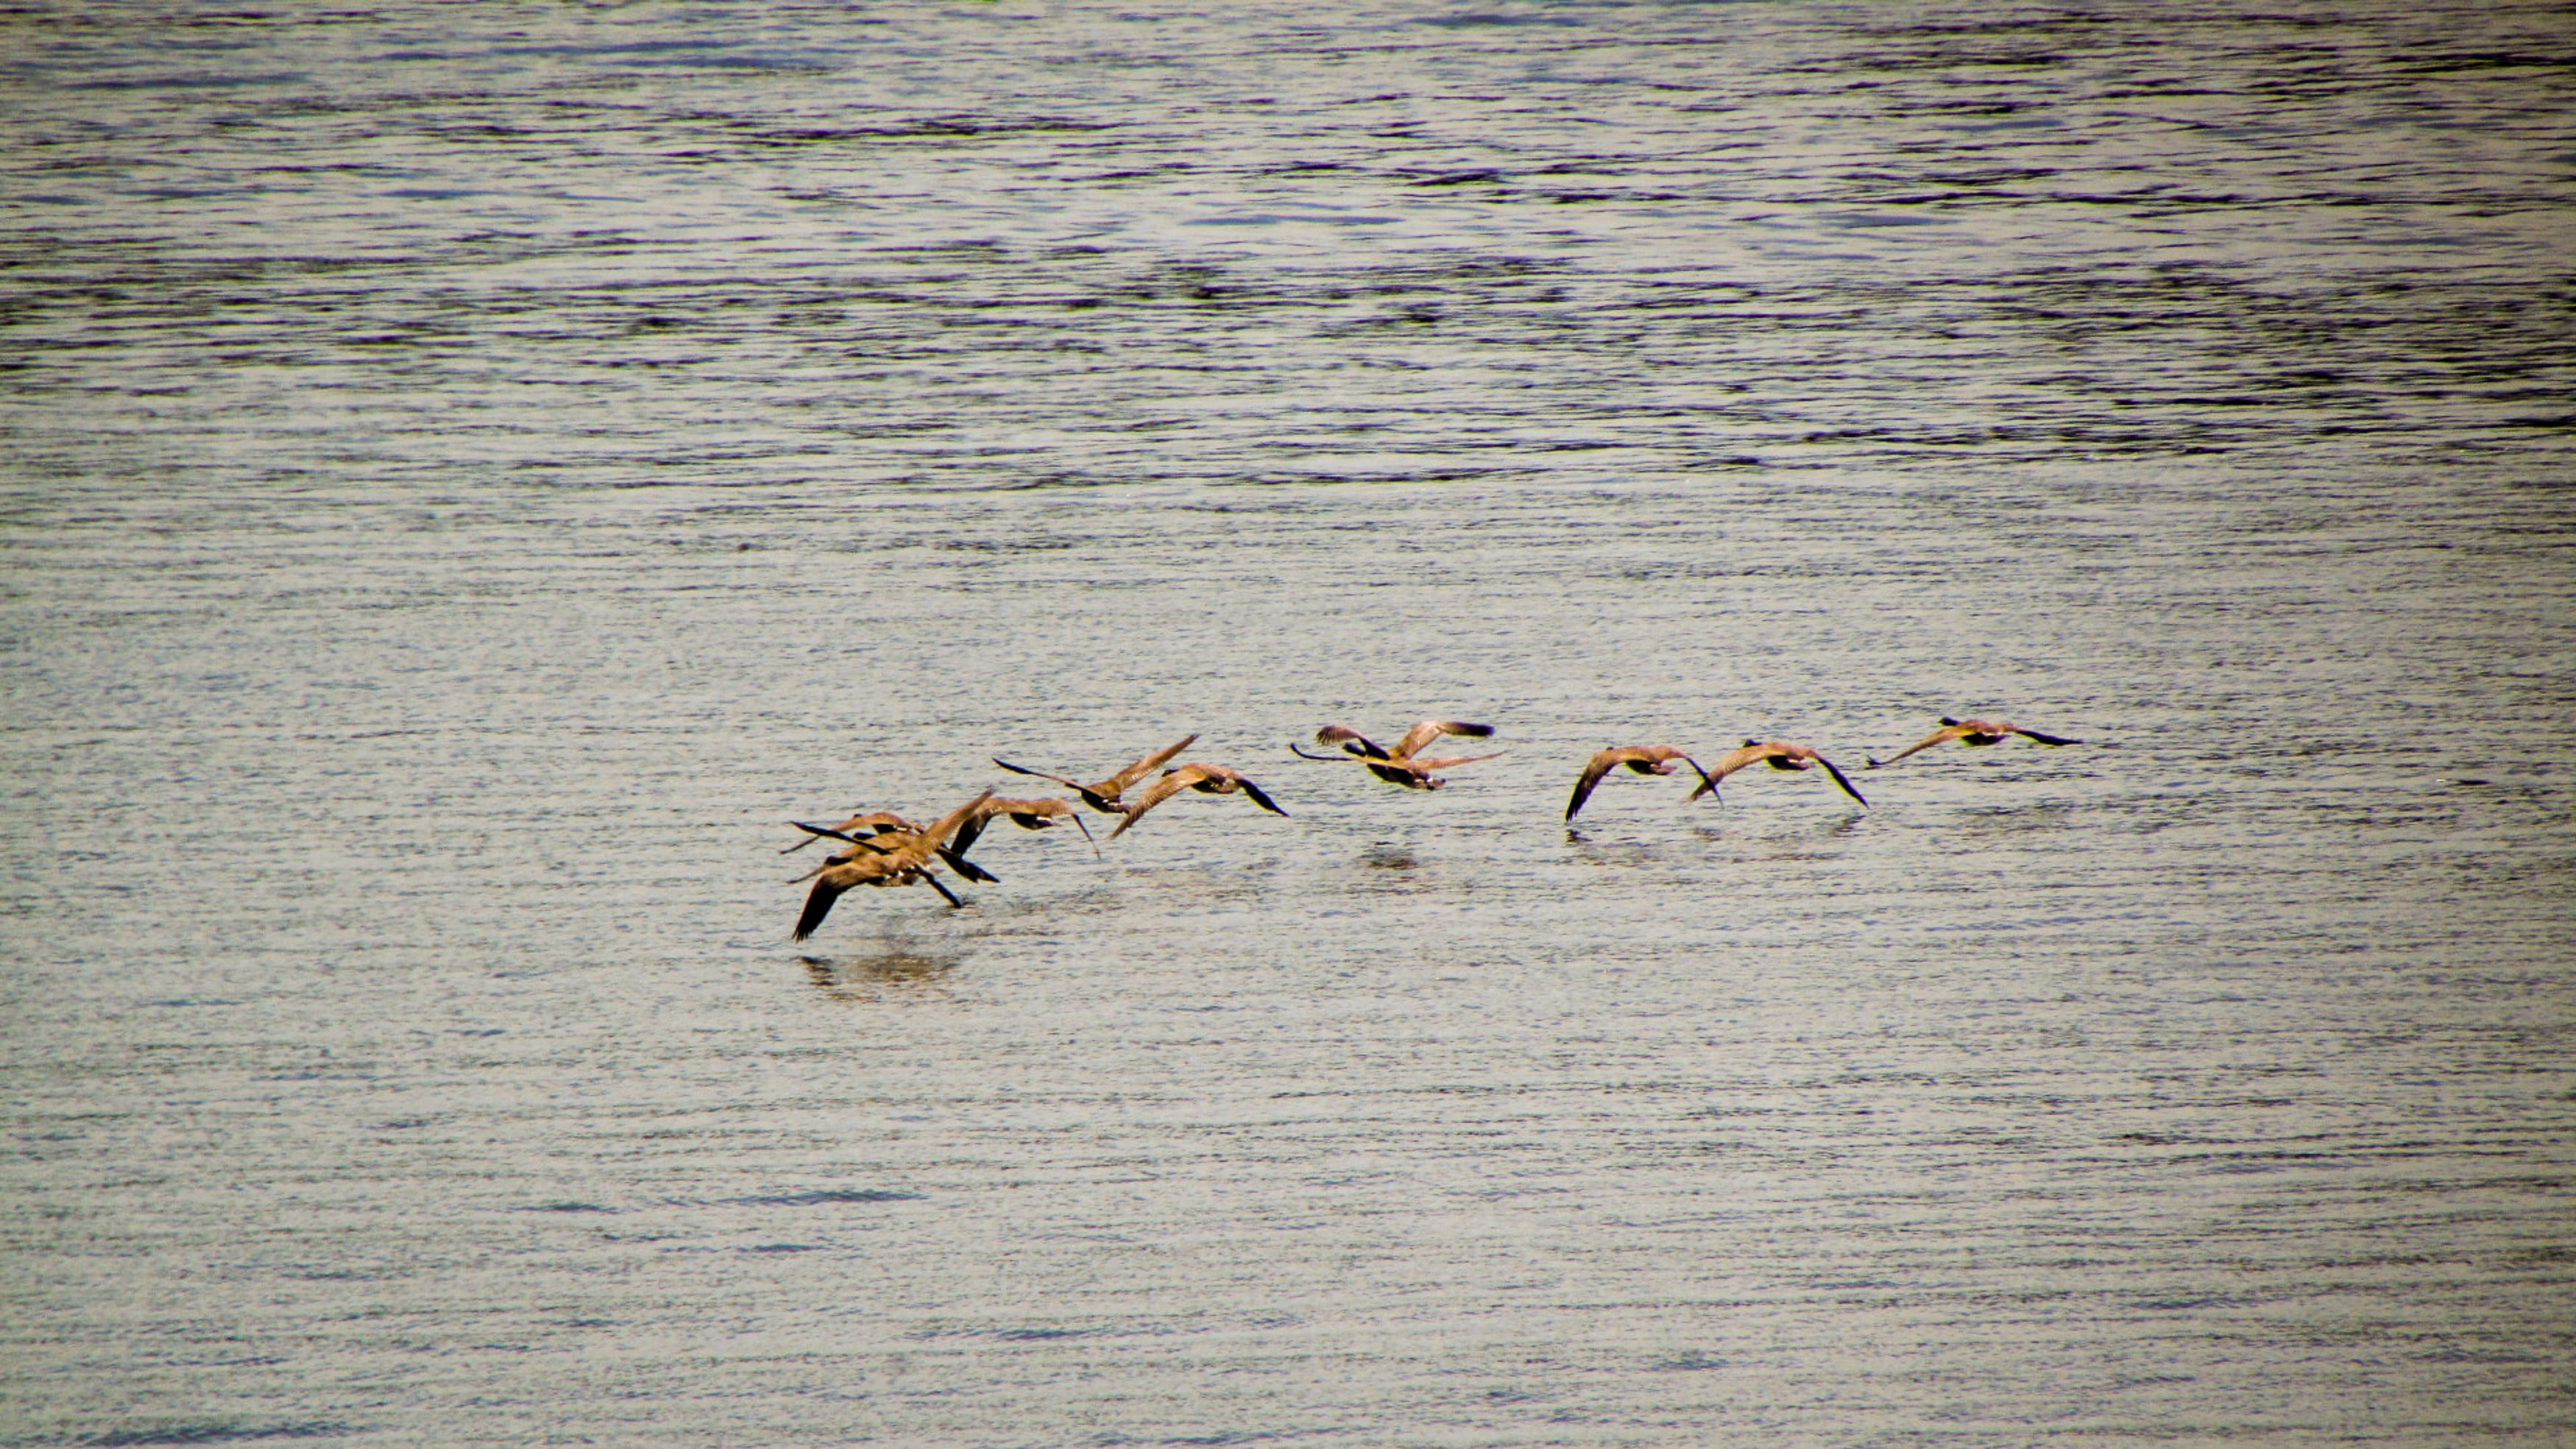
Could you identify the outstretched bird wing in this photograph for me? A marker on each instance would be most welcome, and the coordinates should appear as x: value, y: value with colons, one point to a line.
x: 1593, y: 769
x: 855, y: 828
x: 1432, y: 729
x: 1116, y: 785
x: 1254, y: 791
x: 1838, y: 778
x: 812, y: 833
x: 1067, y: 781
x: 1707, y: 782
x: 834, y: 877
x: 1750, y: 753
x: 969, y: 830
x: 1446, y: 761
x: 958, y: 862
x: 828, y: 886
x: 1411, y: 774
x: 1639, y: 756
x: 947, y: 825
x: 1353, y: 742
x: 1947, y: 731
x: 1172, y: 783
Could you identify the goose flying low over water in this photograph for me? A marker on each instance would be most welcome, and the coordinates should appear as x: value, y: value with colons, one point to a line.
x: 1641, y: 760
x: 1972, y: 732
x: 888, y: 858
x: 1103, y: 795
x: 1026, y: 814
x: 1401, y: 765
x: 1206, y: 779
x: 1779, y: 755
x: 861, y: 829
x: 1354, y: 742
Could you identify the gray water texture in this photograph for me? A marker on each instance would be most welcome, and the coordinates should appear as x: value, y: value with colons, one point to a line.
x: 470, y: 474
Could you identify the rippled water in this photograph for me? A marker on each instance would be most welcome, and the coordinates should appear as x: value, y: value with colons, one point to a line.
x: 473, y: 473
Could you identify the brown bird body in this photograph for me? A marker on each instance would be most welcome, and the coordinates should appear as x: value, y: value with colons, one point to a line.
x: 1972, y: 732
x: 1026, y: 814
x: 1640, y: 759
x: 1206, y: 779
x: 888, y: 858
x: 1401, y: 765
x: 1102, y: 795
x: 861, y: 829
x: 1779, y: 755
x: 1416, y: 774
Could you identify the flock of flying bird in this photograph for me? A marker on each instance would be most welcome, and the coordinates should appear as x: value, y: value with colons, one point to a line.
x: 881, y: 848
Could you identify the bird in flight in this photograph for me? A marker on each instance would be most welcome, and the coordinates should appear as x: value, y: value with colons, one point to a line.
x: 1103, y: 795
x: 1206, y: 779
x: 1026, y: 814
x: 1779, y: 756
x: 1402, y: 765
x: 1972, y: 732
x: 1640, y: 759
x: 862, y: 828
x: 887, y: 858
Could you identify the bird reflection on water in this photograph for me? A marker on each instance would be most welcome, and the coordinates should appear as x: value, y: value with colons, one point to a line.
x: 2012, y: 819
x: 899, y: 972
x: 1777, y: 840
x: 1738, y: 843
x: 1626, y: 854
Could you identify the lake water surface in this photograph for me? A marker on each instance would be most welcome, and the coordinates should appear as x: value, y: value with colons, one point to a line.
x: 470, y: 475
